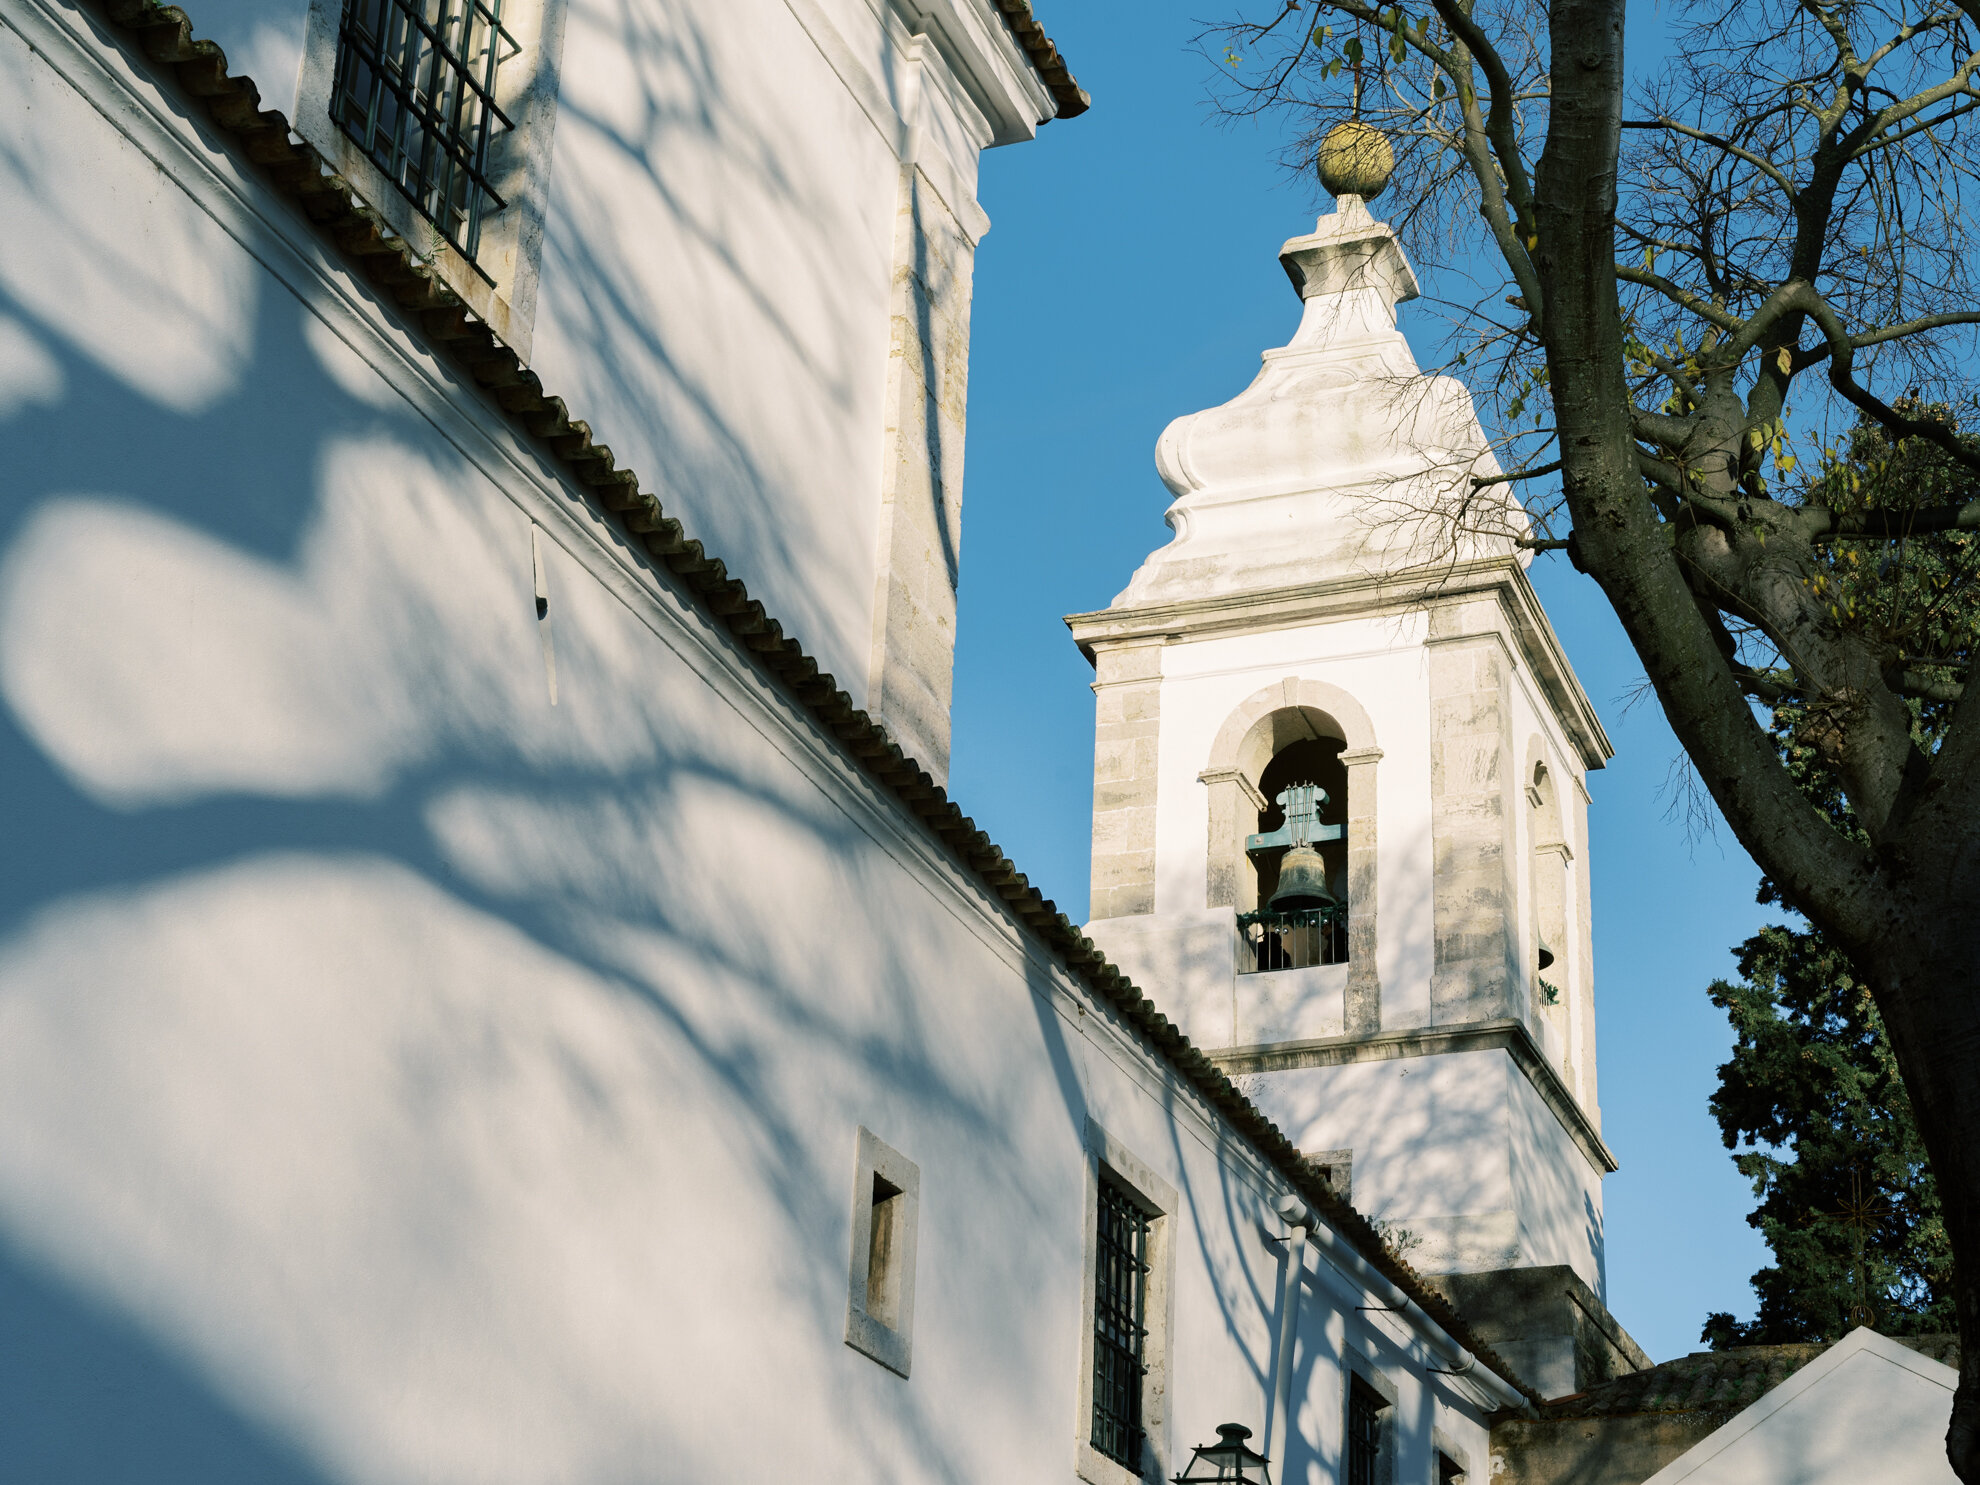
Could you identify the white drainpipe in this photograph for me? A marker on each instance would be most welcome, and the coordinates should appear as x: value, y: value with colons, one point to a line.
x: 1299, y: 1216
x: 1455, y: 1360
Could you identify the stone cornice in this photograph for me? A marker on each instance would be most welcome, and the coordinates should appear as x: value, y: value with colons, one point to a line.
x: 1505, y: 1035
x: 1386, y: 594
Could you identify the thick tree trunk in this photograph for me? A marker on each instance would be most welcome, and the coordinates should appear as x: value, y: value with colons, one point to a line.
x: 1926, y: 976
x: 1905, y: 909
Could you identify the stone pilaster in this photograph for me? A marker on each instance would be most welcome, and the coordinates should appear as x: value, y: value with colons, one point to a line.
x: 1235, y: 805
x: 1128, y: 706
x: 912, y: 664
x: 1575, y: 811
x: 1364, y: 989
x: 1472, y: 797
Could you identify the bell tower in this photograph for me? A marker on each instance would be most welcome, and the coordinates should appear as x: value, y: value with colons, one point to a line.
x: 1340, y: 821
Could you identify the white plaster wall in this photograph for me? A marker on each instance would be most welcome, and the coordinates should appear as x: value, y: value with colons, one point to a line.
x: 1556, y: 1191
x: 725, y: 177
x: 1431, y: 1135
x: 1456, y: 1148
x: 404, y: 1079
x: 1381, y: 663
x: 263, y: 39
x: 698, y: 209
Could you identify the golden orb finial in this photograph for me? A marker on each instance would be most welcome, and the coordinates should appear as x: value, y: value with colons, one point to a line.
x: 1355, y: 159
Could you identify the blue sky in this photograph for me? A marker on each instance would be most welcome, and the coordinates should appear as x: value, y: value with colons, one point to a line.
x: 1131, y: 276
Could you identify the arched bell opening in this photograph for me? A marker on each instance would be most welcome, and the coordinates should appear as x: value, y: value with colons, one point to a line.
x: 1297, y: 857
x: 1292, y: 727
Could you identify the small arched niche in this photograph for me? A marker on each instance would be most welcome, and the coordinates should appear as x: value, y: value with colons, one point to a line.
x: 1548, y: 855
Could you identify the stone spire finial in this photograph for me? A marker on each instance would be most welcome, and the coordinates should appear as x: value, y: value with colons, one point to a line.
x: 1292, y: 481
x: 1355, y: 159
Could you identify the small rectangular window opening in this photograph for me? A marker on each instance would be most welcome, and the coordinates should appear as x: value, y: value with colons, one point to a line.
x: 415, y: 88
x: 1364, y: 1440
x: 883, y: 1267
x: 880, y: 1275
x: 1120, y: 1326
x: 1449, y: 1471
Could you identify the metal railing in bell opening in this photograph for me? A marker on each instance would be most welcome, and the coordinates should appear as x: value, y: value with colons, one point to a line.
x: 1295, y: 940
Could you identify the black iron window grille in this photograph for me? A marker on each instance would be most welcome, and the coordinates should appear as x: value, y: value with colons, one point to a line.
x: 1364, y: 1440
x: 415, y: 88
x: 1120, y: 1306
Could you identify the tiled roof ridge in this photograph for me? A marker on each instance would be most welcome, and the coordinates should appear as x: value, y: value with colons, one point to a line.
x: 1071, y: 98
x: 1718, y: 1381
x: 164, y: 34
x: 1702, y: 1379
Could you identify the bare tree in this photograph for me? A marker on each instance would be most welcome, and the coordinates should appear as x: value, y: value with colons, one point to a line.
x: 1718, y: 282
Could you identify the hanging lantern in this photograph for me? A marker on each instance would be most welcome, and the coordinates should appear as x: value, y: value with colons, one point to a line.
x: 1230, y: 1461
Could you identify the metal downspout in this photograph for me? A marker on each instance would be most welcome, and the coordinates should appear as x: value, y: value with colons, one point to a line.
x: 1300, y: 1218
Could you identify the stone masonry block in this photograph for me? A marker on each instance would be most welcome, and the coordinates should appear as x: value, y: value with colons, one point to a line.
x: 1138, y: 663
x: 1123, y: 902
x: 1111, y: 797
x: 1120, y: 830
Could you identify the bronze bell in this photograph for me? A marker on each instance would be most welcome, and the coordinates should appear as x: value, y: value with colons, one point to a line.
x: 1546, y: 955
x: 1302, y: 882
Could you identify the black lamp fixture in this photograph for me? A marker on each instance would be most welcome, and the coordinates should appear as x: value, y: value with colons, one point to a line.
x: 1230, y: 1461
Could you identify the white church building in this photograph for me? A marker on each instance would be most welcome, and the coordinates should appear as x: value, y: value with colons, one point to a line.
x: 493, y: 988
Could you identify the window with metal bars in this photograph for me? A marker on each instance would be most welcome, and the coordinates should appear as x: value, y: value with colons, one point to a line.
x: 415, y: 88
x: 1120, y: 1329
x: 1364, y: 1433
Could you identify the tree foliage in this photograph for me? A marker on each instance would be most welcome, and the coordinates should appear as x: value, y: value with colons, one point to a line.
x: 1812, y: 1102
x: 1811, y: 1099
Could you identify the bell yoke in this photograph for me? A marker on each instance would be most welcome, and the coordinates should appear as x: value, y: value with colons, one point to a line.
x: 1302, y: 874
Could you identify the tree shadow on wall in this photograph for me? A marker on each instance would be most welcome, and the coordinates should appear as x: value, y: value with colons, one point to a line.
x: 427, y: 776
x: 86, y: 1396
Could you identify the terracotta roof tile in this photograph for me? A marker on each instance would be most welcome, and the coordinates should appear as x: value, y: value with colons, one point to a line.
x: 164, y: 36
x: 1069, y: 95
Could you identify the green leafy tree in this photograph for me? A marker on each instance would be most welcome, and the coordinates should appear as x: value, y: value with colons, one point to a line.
x: 1812, y: 1102
x: 1812, y: 1098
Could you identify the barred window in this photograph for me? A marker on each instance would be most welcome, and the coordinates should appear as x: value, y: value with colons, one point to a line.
x: 1120, y: 1313
x: 1364, y: 1433
x: 415, y: 89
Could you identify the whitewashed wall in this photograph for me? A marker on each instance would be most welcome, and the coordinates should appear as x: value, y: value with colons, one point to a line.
x: 405, y: 1080
x: 726, y: 176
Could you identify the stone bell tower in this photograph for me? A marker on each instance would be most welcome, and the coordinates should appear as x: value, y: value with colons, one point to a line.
x: 1423, y: 1026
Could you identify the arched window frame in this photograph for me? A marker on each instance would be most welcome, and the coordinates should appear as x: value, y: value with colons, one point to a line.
x: 1244, y: 745
x: 1549, y: 889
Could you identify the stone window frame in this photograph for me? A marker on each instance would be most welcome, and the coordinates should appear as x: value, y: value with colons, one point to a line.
x: 868, y: 1331
x: 1358, y: 1369
x: 1451, y: 1459
x: 1335, y: 1167
x: 500, y: 286
x: 1109, y: 1161
x: 1238, y: 758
